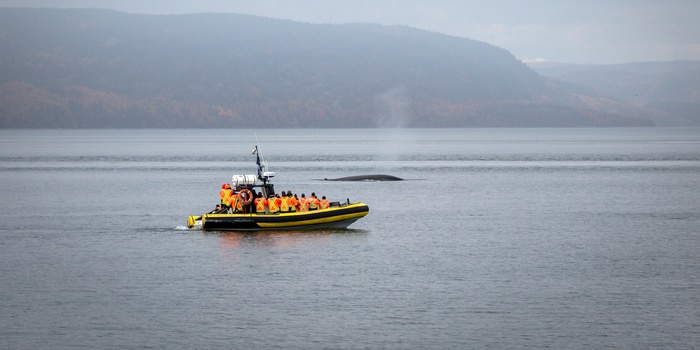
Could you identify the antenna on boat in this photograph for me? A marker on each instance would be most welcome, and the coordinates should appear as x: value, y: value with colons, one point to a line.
x: 263, y: 174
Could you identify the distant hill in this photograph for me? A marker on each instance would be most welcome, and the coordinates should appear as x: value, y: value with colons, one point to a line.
x: 670, y: 91
x: 84, y: 68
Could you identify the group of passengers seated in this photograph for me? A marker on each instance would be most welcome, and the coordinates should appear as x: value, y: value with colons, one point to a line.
x: 247, y: 201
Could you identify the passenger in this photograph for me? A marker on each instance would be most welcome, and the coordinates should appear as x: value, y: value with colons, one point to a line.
x: 260, y: 204
x: 296, y: 202
x: 235, y: 203
x: 303, y: 203
x: 273, y: 204
x: 225, y: 194
x: 284, y: 203
x: 324, y: 203
x: 292, y: 201
x: 314, y: 203
x: 245, y: 198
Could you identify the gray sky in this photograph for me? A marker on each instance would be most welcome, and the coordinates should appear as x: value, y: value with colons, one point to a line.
x: 574, y: 31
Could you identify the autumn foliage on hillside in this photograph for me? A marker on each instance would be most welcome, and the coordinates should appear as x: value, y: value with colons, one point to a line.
x: 105, y: 69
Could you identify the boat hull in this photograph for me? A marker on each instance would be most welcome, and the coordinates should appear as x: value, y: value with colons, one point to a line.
x: 332, y: 218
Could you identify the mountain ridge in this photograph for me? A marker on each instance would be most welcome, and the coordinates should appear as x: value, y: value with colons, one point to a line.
x: 107, y: 69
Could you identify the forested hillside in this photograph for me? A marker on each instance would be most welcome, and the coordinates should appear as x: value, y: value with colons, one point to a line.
x: 105, y: 69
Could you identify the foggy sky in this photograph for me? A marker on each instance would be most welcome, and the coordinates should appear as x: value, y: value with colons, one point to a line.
x: 573, y: 31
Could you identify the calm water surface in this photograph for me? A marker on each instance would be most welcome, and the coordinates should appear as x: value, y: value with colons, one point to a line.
x: 498, y: 238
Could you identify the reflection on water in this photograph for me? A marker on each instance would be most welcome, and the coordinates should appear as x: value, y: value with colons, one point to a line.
x: 281, y: 239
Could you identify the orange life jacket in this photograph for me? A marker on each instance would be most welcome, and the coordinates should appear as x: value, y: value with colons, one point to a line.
x: 260, y: 204
x: 274, y: 204
x: 303, y: 204
x: 284, y: 204
x: 325, y: 203
x: 292, y: 203
x: 314, y: 203
x: 225, y: 194
x: 235, y: 204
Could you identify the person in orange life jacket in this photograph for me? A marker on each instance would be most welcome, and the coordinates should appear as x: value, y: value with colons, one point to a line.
x: 314, y: 203
x: 235, y: 204
x: 292, y: 201
x: 225, y: 193
x: 303, y: 203
x: 296, y: 202
x: 287, y: 201
x: 324, y: 203
x: 284, y: 202
x: 260, y: 204
x: 273, y: 203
